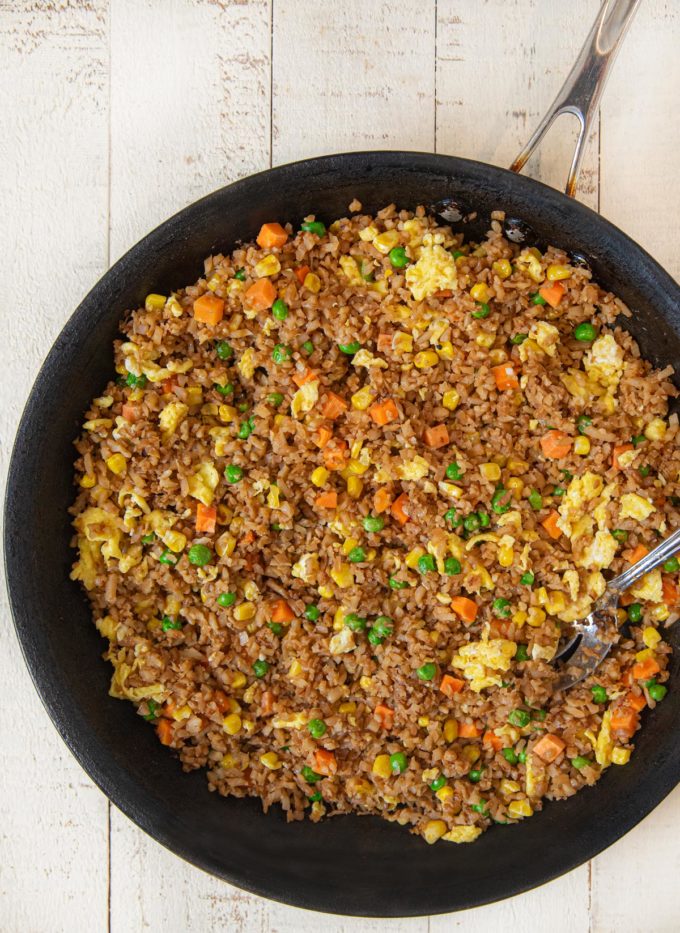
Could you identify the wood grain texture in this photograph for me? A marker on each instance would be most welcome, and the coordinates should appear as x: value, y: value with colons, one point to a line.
x: 119, y: 113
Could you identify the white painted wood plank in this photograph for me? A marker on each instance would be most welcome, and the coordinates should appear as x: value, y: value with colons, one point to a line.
x: 356, y: 76
x: 53, y: 191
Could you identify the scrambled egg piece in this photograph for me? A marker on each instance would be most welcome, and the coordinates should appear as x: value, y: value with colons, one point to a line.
x: 604, y: 743
x: 434, y: 270
x: 366, y: 358
x: 349, y: 266
x: 246, y: 365
x: 604, y: 361
x: 306, y: 568
x: 203, y: 483
x: 600, y: 552
x: 634, y: 506
x: 413, y: 469
x: 546, y: 336
x: 649, y: 588
x: 305, y: 398
x: 462, y: 834
x: 474, y: 658
x: 138, y: 362
x: 579, y: 385
x: 119, y: 688
x: 535, y: 775
x: 575, y: 502
x: 342, y: 643
x: 170, y: 419
x: 291, y: 721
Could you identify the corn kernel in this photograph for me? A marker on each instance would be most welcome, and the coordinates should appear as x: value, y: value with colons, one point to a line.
x: 238, y: 680
x: 349, y: 707
x: 175, y: 541
x: 214, y: 283
x: 519, y: 618
x: 434, y: 830
x: 365, y: 682
x: 518, y: 809
x: 651, y: 637
x: 412, y: 558
x: 582, y: 446
x: 535, y: 617
x: 348, y: 545
x: 502, y: 268
x: 87, y: 481
x: 451, y: 730
x: 555, y: 272
x: 656, y: 429
x: 274, y: 497
x: 320, y: 476
x: 556, y: 603
x: 517, y: 467
x: 515, y: 486
x: 325, y: 592
x: 620, y: 756
x: 471, y: 753
x: 271, y: 760
x: 541, y: 595
x: 451, y: 490
x: 343, y: 575
x: 425, y: 359
x: 175, y: 307
x: 154, y: 302
x: 194, y: 396
x: 402, y: 342
x: 227, y: 414
x: 232, y: 724
x: 485, y: 340
x: 363, y: 398
x: 608, y: 404
x: 269, y: 265
x: 182, y: 712
x: 295, y: 668
x: 645, y: 655
x: 497, y: 356
x: 509, y: 787
x: 225, y: 545
x: 381, y: 766
x: 312, y: 283
x: 506, y: 555
x: 386, y: 241
x: 659, y: 612
x: 368, y: 233
x: 480, y: 292
x: 244, y: 612
x: 451, y: 399
x: 423, y: 721
x: 116, y: 463
x: 445, y: 793
x: 228, y: 761
x: 447, y: 351
x: 490, y: 471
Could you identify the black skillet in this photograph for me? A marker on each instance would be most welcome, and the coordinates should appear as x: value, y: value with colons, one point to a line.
x: 349, y: 865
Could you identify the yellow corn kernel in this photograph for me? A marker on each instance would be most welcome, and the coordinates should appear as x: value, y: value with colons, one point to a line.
x: 227, y: 414
x: 182, y: 712
x: 349, y: 707
x: 451, y: 399
x: 426, y: 359
x: 535, y: 617
x: 517, y: 467
x: 244, y: 612
x: 557, y: 602
x: 423, y: 721
x: 343, y: 575
x: 555, y: 272
x: 541, y: 595
x: 312, y: 283
x: 655, y: 430
x: 445, y: 793
x: 412, y: 558
x: 365, y: 682
x: 175, y: 540
x: 515, y: 486
x: 451, y: 490
x: 228, y: 761
x: 506, y: 555
x: 363, y: 398
x: 273, y: 497
x: 154, y: 302
x: 659, y: 612
x: 509, y: 787
x: 471, y: 753
x: 320, y: 476
x: 271, y: 760
x: 225, y: 545
x: 502, y: 268
x: 645, y: 655
x: 490, y: 471
x: 434, y: 830
x: 451, y: 730
x: 582, y: 446
x: 480, y: 292
x: 269, y: 265
x: 325, y: 592
x: 497, y: 356
x: 368, y: 233
x: 214, y: 283
x: 175, y: 307
x: 87, y: 481
x: 232, y: 724
x: 386, y: 241
x: 608, y: 404
x: 194, y: 396
x: 354, y: 487
x: 348, y: 545
x: 116, y: 463
x: 519, y: 618
x: 620, y: 756
x: 402, y: 342
x: 238, y: 680
x: 519, y: 809
x: 485, y: 340
x: 447, y: 351
x: 295, y: 668
x: 381, y: 766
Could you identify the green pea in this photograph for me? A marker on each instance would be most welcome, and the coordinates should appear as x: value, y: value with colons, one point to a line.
x: 535, y: 499
x: 199, y: 555
x: 637, y: 439
x: 519, y: 339
x: 539, y: 714
x: 471, y: 522
x: 226, y: 599
x: 313, y: 226
x: 260, y: 667
x: 522, y: 757
x: 501, y: 607
x: 453, y: 471
x: 484, y: 520
x: 644, y: 470
x: 480, y: 808
x: 152, y: 706
x: 310, y: 775
x: 521, y: 654
x: 226, y: 389
x: 246, y: 429
x: 350, y: 348
x: 583, y: 422
x: 398, y: 762
x: 276, y: 527
x: 427, y: 671
x: 168, y: 624
x: 427, y: 563
x: 357, y: 555
x: 537, y: 299
x: 519, y: 717
x: 308, y: 347
x: 136, y: 382
x: 558, y: 491
x: 149, y: 539
x: 233, y: 473
x: 167, y: 557
x: 317, y: 728
x: 312, y: 612
x: 457, y: 253
x: 585, y: 332
x: 275, y: 399
x: 527, y: 579
x: 450, y: 516
x: 276, y: 627
x: 635, y: 613
x: 398, y: 257
x: 672, y: 565
x: 580, y: 762
x: 567, y: 475
x: 657, y: 692
x: 483, y: 311
x: 599, y: 694
x: 224, y: 350
x: 497, y: 505
x: 280, y: 309
x: 355, y: 623
x: 374, y: 638
x: 383, y: 626
x: 398, y: 584
x: 476, y: 775
x: 438, y: 783
x: 282, y: 353
x: 240, y: 274
x: 374, y: 523
x: 509, y: 755
x: 452, y: 566
x: 315, y: 797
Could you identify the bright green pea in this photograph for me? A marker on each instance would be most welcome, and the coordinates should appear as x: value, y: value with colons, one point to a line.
x: 310, y: 775
x: 537, y: 299
x: 350, y: 348
x: 509, y: 755
x: 558, y: 491
x: 357, y: 555
x: 226, y: 389
x: 453, y: 471
x: 308, y: 347
x: 280, y: 309
x: 427, y: 671
x: 314, y: 226
x: 580, y: 762
x: 136, y: 382
x: 518, y: 339
x: 167, y: 557
x: 657, y: 692
x: 471, y: 522
x: 527, y: 579
x: 457, y: 253
x: 483, y: 311
x: 398, y: 257
x: 383, y: 626
x: 355, y: 623
x: 240, y: 274
x: 246, y: 429
x: 199, y: 555
x: 317, y: 728
x: 519, y: 717
x: 644, y: 470
x: 635, y: 612
x: 315, y: 797
x: 521, y: 654
x: 224, y: 350
x: 535, y: 499
x: 450, y: 516
x: 484, y: 520
x: 599, y: 694
x: 585, y: 332
x: 226, y: 599
x: 501, y: 607
x: 480, y: 808
x: 167, y: 624
x: 452, y: 566
x: 583, y: 422
x: 374, y: 523
x: 672, y: 565
x: 476, y: 775
x: 398, y: 584
x: 637, y: 439
x: 275, y: 399
x: 149, y: 539
x: 427, y: 563
x: 497, y: 505
x: 282, y: 353
x: 522, y: 757
x: 152, y: 706
x: 438, y: 783
x: 619, y: 534
x: 276, y: 627
x: 398, y: 762
x: 374, y: 637
x: 233, y: 473
x: 260, y: 667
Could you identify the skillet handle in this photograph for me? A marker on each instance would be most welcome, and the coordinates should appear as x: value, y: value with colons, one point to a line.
x: 580, y: 93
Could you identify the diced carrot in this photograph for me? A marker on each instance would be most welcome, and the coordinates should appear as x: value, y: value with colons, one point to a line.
x: 325, y: 762
x: 491, y: 739
x: 209, y: 309
x: 169, y: 385
x: 552, y: 293
x: 165, y: 731
x: 549, y: 747
x: 626, y: 599
x: 443, y: 293
x: 323, y: 435
x: 437, y: 436
x: 505, y: 376
x: 636, y: 701
x: 335, y: 455
x: 384, y: 342
x: 326, y: 500
x: 221, y: 701
x: 385, y: 716
x: 382, y: 499
x: 261, y: 295
x: 468, y: 730
x: 449, y: 685
x: 301, y: 379
x: 465, y: 608
x: 643, y: 670
x: 556, y: 444
x: 271, y: 235
x: 550, y: 525
x: 301, y: 274
x: 247, y: 538
x: 334, y: 406
x: 397, y: 509
x: 281, y: 611
x: 206, y: 518
x: 130, y: 412
x: 670, y: 591
x: 636, y: 554
x: 384, y: 412
x: 267, y: 702
x: 624, y: 720
x: 616, y: 453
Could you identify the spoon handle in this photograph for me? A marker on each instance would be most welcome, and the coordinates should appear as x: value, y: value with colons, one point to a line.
x: 651, y: 561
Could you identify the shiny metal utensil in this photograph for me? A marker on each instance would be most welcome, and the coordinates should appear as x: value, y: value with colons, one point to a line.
x: 597, y: 632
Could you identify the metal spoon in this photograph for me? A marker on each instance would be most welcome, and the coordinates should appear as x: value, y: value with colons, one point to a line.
x: 598, y: 630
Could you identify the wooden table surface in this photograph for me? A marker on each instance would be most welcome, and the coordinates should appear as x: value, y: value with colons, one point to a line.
x: 114, y: 115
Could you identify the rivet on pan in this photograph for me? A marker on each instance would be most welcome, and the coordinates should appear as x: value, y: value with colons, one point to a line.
x: 448, y: 209
x: 580, y: 261
x: 517, y: 231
